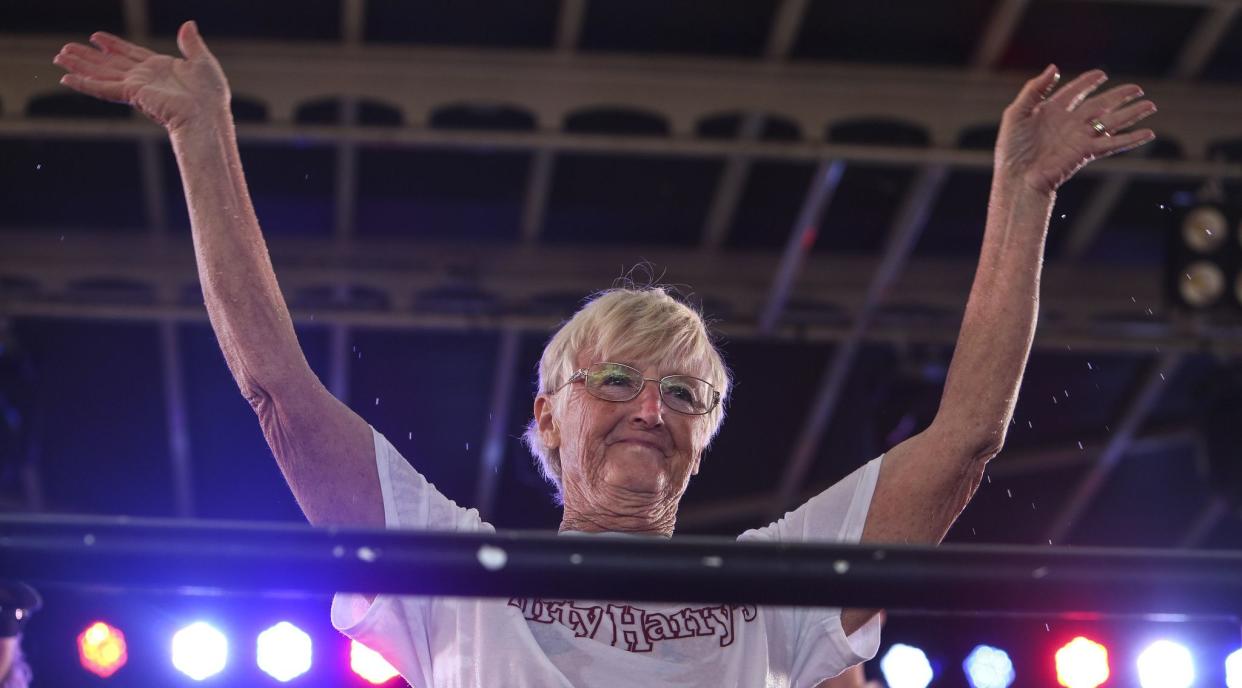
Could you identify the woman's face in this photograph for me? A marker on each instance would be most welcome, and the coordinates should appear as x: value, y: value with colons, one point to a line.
x: 621, y: 456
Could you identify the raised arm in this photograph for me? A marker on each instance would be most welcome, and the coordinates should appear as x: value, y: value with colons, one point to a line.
x: 324, y: 449
x: 1044, y: 138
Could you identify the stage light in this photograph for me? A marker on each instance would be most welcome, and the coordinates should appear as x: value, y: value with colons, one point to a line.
x: 1233, y: 669
x: 284, y: 651
x: 200, y: 651
x: 1202, y: 284
x: 904, y: 666
x: 368, y: 663
x: 101, y: 649
x: 989, y: 667
x: 1166, y: 664
x: 1203, y: 261
x: 1082, y: 663
x: 1205, y: 228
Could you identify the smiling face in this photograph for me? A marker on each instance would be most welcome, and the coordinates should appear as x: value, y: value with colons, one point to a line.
x: 623, y: 462
x: 626, y: 460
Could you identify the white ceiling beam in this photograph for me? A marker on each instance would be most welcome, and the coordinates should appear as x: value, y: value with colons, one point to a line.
x: 1204, y: 40
x: 903, y: 235
x: 569, y: 25
x: 495, y: 436
x: 1000, y: 28
x: 801, y: 239
x: 608, y: 144
x: 683, y: 90
x: 179, y: 453
x: 1029, y: 460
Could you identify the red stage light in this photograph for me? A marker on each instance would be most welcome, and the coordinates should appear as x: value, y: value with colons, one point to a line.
x: 101, y: 649
x: 1082, y: 663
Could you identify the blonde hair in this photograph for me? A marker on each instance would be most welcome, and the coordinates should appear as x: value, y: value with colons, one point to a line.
x: 629, y: 324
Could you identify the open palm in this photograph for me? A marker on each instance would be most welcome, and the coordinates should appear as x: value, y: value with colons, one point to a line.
x: 172, y: 91
x: 1045, y: 136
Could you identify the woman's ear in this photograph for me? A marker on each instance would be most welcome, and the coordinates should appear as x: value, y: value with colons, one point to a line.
x: 548, y: 431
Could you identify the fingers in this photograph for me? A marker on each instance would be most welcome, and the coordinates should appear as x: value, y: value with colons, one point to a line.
x: 1038, y: 88
x: 190, y: 42
x: 87, y: 68
x: 1120, y: 120
x: 1098, y: 106
x: 1121, y: 143
x: 1071, y: 95
x: 99, y: 88
x: 119, y: 46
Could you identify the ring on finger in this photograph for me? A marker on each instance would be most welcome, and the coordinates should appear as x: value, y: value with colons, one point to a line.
x: 1098, y: 127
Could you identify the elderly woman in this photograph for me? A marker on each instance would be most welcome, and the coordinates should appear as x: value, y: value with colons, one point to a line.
x: 631, y: 393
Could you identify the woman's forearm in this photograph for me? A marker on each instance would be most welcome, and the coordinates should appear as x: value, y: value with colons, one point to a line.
x: 999, y: 325
x: 244, y: 303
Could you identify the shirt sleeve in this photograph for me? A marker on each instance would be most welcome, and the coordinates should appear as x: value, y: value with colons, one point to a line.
x: 398, y: 627
x: 820, y: 648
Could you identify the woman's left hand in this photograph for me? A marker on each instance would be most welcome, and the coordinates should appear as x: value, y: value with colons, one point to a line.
x: 1046, y: 136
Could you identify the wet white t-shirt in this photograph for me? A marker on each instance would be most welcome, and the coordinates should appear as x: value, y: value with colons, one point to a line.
x: 445, y: 642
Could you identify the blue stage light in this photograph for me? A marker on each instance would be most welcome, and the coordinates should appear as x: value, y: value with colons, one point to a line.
x: 905, y: 666
x: 284, y: 651
x: 989, y: 667
x: 200, y: 651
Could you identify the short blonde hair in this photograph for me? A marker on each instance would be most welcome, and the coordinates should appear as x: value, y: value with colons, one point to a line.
x: 629, y: 323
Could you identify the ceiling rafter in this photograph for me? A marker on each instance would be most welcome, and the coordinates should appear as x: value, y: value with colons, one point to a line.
x: 707, y: 514
x: 781, y: 35
x: 1000, y: 28
x: 801, y: 239
x: 494, y: 439
x: 903, y: 235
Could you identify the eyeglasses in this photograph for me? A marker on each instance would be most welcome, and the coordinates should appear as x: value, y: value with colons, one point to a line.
x: 619, y: 382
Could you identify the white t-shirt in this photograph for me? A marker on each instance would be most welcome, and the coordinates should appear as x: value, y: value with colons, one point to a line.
x: 447, y: 642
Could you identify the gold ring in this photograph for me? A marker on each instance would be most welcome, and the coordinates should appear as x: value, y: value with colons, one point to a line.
x: 1099, y: 128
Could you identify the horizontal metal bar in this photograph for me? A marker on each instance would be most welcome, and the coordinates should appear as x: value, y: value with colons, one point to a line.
x: 606, y: 144
x: 252, y: 557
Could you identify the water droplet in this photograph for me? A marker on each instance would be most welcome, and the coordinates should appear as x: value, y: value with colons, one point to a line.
x: 467, y: 446
x: 1009, y: 492
x: 1047, y: 629
x: 1132, y: 300
x: 1054, y: 398
x: 1032, y: 506
x: 575, y: 558
x: 1080, y: 444
x: 1089, y: 366
x: 410, y: 437
x: 1028, y: 424
x: 841, y: 566
x: 377, y: 401
x: 39, y: 166
x: 1107, y: 429
x: 367, y: 554
x: 972, y: 531
x: 1062, y: 216
x: 1050, y: 542
x: 989, y: 479
x: 305, y: 177
x: 1066, y: 391
x: 1161, y: 376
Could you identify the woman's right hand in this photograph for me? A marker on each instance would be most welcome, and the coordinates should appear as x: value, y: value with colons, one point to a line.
x: 172, y: 91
